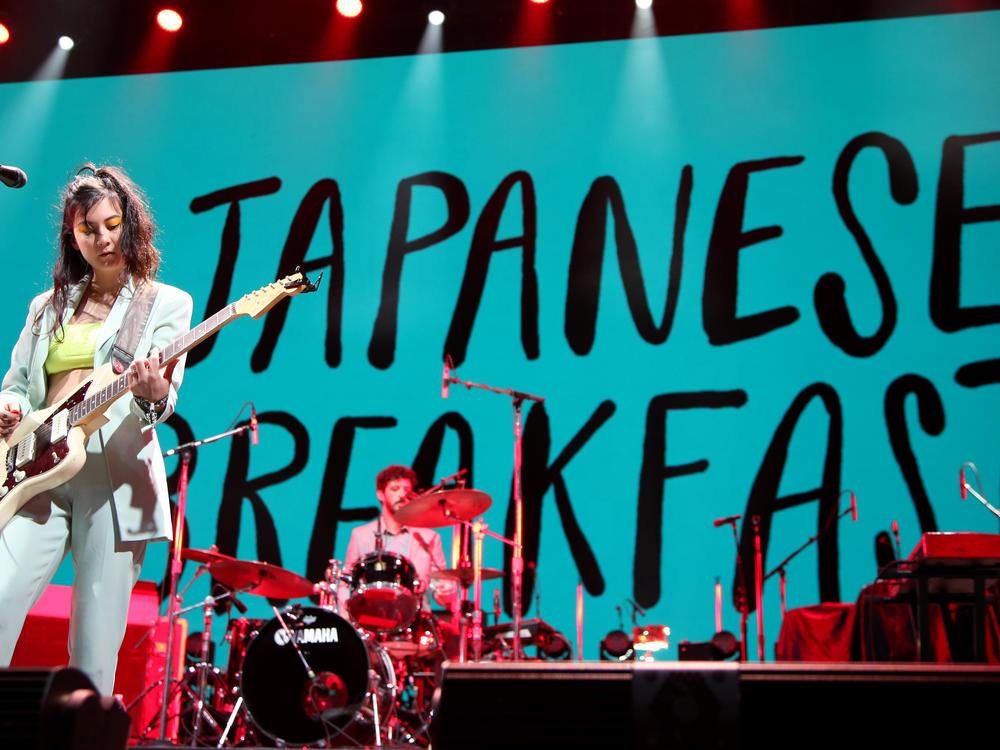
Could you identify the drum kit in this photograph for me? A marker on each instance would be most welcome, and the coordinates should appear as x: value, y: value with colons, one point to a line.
x: 359, y: 669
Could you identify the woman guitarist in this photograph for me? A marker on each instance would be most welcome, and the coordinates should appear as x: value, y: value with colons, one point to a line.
x: 105, y: 514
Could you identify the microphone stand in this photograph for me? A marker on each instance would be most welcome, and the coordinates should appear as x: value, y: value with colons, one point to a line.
x: 758, y: 568
x: 185, y: 451
x: 967, y: 488
x: 780, y: 567
x: 517, y: 563
x: 744, y: 602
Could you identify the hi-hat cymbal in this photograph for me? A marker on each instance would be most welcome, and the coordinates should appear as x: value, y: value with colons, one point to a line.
x: 443, y: 508
x: 261, y: 578
x: 465, y: 575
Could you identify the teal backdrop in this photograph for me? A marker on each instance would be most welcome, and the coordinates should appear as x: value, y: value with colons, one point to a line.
x: 745, y: 270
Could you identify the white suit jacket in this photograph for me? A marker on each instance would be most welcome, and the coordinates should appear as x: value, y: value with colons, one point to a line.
x: 135, y: 479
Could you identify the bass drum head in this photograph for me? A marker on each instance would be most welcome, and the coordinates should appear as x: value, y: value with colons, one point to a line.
x: 282, y: 700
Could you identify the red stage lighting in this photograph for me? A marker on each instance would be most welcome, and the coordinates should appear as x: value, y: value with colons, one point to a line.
x: 169, y: 19
x: 539, y: 2
x: 4, y: 34
x: 349, y: 8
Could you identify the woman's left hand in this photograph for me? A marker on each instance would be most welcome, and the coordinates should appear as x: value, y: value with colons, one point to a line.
x: 149, y: 382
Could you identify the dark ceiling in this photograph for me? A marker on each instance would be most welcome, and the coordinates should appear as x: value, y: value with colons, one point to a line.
x: 119, y: 37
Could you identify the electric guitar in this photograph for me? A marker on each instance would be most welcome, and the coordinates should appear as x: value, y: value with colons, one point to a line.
x: 49, y: 446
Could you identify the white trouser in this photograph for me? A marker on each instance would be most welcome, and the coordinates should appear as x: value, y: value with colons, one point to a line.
x: 71, y: 518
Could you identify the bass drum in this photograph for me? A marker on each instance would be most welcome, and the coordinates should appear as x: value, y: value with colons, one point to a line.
x: 289, y: 706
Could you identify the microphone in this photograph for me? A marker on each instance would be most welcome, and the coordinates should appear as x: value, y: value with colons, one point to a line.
x: 728, y: 519
x: 444, y: 378
x: 961, y: 483
x: 13, y: 177
x: 854, y: 508
x: 238, y: 604
x: 895, y: 533
x: 253, y: 424
x: 637, y: 608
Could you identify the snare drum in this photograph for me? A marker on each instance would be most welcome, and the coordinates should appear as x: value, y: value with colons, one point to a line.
x: 421, y: 639
x: 384, y: 592
x: 292, y: 708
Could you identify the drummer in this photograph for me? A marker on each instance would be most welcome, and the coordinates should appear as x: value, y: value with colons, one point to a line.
x: 422, y: 547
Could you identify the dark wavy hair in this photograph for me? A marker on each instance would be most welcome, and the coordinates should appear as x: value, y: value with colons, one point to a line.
x: 395, y: 471
x: 90, y: 185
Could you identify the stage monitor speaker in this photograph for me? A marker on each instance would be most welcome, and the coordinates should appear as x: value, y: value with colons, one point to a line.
x: 142, y: 659
x: 578, y: 705
x: 58, y: 709
x: 710, y: 705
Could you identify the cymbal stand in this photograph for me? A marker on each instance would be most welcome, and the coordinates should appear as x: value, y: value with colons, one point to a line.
x: 176, y: 565
x: 758, y: 586
x: 478, y: 528
x: 329, y: 588
x: 479, y: 532
x: 203, y: 668
x: 517, y: 563
x: 458, y: 478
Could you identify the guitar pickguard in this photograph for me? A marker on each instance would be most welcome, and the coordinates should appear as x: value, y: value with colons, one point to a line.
x: 38, y: 447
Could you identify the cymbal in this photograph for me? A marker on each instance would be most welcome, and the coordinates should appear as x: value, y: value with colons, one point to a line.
x: 443, y: 508
x: 263, y: 579
x: 210, y: 556
x: 464, y: 575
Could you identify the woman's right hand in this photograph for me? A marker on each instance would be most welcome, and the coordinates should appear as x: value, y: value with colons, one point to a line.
x: 10, y: 417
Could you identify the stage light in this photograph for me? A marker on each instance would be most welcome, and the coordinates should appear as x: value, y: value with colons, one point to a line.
x: 66, y: 43
x: 349, y: 8
x: 539, y: 2
x: 617, y: 646
x: 169, y: 19
x: 648, y: 639
x: 435, y: 18
x: 4, y: 34
x: 644, y: 4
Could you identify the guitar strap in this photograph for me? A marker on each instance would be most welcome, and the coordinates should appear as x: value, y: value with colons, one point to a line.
x: 136, y: 317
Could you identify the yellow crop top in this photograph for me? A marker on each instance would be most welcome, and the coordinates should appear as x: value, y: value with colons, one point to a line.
x: 75, y: 351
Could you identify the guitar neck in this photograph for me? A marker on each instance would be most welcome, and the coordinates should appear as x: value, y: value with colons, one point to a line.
x: 100, y: 400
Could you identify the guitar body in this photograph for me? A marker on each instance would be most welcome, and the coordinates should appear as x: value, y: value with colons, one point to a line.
x: 41, y: 453
x: 49, y: 446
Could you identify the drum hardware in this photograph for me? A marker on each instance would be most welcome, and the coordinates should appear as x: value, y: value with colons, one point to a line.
x: 517, y: 562
x: 329, y: 588
x: 465, y: 575
x: 470, y: 574
x: 201, y: 673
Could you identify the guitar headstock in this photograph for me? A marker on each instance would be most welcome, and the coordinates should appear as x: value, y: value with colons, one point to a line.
x: 258, y: 302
